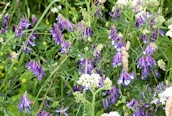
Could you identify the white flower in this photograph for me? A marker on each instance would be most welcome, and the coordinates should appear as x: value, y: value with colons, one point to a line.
x: 169, y: 33
x: 54, y: 10
x: 123, y: 2
x: 89, y: 81
x: 79, y: 97
x: 165, y: 94
x: 114, y: 113
x: 107, y: 84
x: 161, y: 64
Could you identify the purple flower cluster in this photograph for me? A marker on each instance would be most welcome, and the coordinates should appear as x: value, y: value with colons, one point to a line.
x: 115, y: 14
x: 5, y: 24
x: 64, y: 23
x: 117, y: 59
x: 85, y: 66
x: 83, y: 30
x: 125, y: 77
x: 44, y: 113
x: 116, y: 38
x: 137, y: 107
x: 113, y: 95
x: 36, y: 69
x: 24, y: 103
x: 59, y: 38
x: 146, y: 63
x: 24, y: 24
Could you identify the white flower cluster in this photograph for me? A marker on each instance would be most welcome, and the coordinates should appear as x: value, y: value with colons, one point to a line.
x: 169, y: 33
x: 89, y: 81
x: 79, y: 97
x: 163, y: 97
x: 111, y: 114
x: 107, y: 84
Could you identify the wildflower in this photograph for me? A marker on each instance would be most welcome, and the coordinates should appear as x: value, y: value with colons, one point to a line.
x: 88, y: 32
x: 79, y: 97
x: 24, y: 103
x: 34, y: 19
x: 85, y: 66
x: 13, y: 55
x: 161, y: 64
x: 115, y: 14
x: 113, y: 113
x: 89, y: 81
x: 18, y: 30
x: 169, y: 33
x: 150, y: 49
x: 54, y: 10
x: 161, y: 32
x: 123, y: 2
x: 64, y: 23
x: 97, y: 50
x: 5, y: 24
x: 133, y: 104
x: 65, y: 47
x: 155, y: 35
x: 29, y: 42
x: 125, y: 77
x: 57, y: 34
x: 144, y: 38
x: 139, y: 22
x: 99, y: 13
x: 44, y: 113
x: 107, y: 84
x: 24, y: 23
x: 139, y: 112
x: 62, y: 111
x: 105, y: 104
x: 145, y: 73
x: 113, y: 95
x: 165, y: 95
x: 145, y: 61
x: 117, y: 59
x: 36, y: 69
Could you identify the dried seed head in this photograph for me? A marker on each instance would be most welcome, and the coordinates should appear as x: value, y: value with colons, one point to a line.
x: 127, y: 46
x: 168, y: 107
x: 102, y: 1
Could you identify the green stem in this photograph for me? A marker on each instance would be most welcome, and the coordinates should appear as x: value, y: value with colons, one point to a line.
x: 93, y: 104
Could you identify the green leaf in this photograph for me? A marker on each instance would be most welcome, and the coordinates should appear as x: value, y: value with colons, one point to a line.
x: 55, y: 104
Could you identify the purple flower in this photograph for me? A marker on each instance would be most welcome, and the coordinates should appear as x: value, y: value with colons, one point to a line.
x: 144, y: 38
x: 88, y: 32
x: 150, y: 49
x: 115, y: 14
x: 18, y: 30
x: 113, y: 95
x: 99, y: 13
x: 133, y: 104
x: 34, y: 19
x: 155, y: 35
x: 139, y: 22
x: 139, y: 112
x: 44, y: 113
x: 105, y: 103
x: 64, y: 23
x: 161, y: 32
x: 62, y: 111
x: 29, y: 42
x: 125, y: 77
x: 145, y: 61
x: 113, y: 32
x: 36, y: 69
x: 65, y: 47
x: 57, y: 34
x: 101, y: 82
x: 117, y: 59
x: 5, y: 21
x: 85, y: 66
x: 145, y: 73
x: 24, y: 103
x: 156, y: 73
x: 24, y: 23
